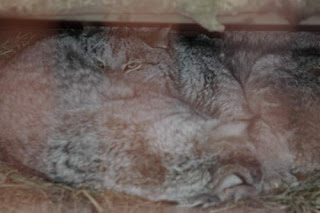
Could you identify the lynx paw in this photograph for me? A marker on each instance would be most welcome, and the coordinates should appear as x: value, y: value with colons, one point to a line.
x: 231, y: 188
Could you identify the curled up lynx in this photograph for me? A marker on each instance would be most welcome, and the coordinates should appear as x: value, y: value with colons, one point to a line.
x: 193, y: 119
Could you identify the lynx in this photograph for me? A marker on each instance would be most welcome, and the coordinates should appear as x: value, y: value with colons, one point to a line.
x: 190, y: 119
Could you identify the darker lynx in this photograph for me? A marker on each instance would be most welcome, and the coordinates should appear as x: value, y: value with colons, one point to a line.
x: 281, y: 82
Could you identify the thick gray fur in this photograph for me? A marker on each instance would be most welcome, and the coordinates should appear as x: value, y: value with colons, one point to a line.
x: 195, y: 120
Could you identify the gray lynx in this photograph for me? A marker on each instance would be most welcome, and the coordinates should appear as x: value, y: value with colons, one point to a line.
x: 190, y: 119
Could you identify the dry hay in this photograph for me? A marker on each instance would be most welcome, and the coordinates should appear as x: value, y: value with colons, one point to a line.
x: 25, y: 193
x: 304, y: 198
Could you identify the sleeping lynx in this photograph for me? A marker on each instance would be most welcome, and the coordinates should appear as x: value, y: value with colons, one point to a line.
x: 195, y: 120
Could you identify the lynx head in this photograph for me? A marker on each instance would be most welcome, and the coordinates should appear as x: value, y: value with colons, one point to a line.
x: 139, y: 56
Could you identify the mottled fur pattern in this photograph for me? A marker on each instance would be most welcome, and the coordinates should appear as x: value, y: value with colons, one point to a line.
x: 191, y: 119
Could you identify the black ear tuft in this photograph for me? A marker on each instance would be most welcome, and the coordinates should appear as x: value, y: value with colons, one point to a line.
x: 159, y: 38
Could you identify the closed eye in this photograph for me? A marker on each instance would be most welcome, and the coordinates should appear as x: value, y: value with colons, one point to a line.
x: 98, y: 63
x: 132, y: 66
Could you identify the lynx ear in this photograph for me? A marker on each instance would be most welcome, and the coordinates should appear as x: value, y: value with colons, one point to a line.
x: 159, y: 38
